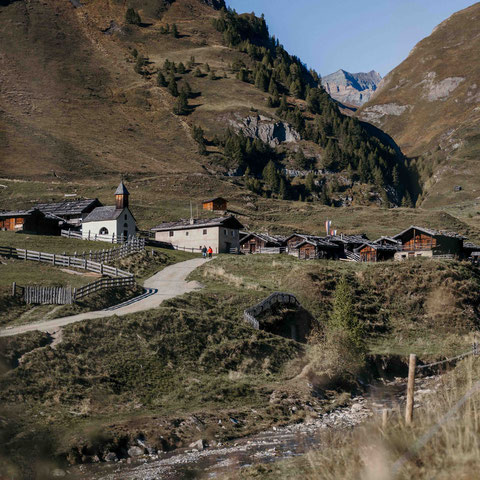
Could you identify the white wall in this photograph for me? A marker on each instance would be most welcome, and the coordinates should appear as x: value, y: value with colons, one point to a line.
x: 115, y: 227
x: 214, y: 237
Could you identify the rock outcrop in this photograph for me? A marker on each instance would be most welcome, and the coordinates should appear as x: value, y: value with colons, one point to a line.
x: 266, y: 129
x: 351, y: 88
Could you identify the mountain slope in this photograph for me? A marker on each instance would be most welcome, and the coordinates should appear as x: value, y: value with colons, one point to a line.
x: 351, y: 88
x: 430, y: 105
x: 174, y: 98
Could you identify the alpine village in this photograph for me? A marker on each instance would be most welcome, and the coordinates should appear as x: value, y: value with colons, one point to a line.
x: 217, y: 263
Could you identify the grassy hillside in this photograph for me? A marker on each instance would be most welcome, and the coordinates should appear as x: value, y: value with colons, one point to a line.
x: 194, y: 358
x: 88, y: 107
x: 435, y: 92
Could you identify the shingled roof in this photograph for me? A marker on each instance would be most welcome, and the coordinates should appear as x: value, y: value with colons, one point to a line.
x: 121, y: 189
x: 378, y: 246
x: 431, y: 232
x: 228, y: 222
x: 102, y: 214
x: 68, y: 207
x: 278, y: 241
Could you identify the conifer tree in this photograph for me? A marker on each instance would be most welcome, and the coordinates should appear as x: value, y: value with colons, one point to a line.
x: 132, y: 17
x: 282, y: 190
x: 175, y: 33
x: 342, y: 316
x: 181, y: 68
x: 172, y: 87
x: 198, y: 72
x: 161, y: 82
x: 181, y: 104
x: 310, y: 183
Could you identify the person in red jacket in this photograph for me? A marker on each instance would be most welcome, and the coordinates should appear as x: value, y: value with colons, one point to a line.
x: 210, y: 251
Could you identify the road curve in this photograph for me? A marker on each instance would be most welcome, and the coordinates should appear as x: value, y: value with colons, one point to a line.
x: 166, y: 284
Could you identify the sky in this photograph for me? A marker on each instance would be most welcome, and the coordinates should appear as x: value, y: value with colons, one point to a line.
x: 356, y: 36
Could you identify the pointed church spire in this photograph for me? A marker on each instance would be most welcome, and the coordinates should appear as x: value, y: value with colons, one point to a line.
x: 121, y: 196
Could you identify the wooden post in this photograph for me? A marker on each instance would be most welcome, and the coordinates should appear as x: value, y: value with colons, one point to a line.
x: 410, y: 389
x: 384, y: 418
x: 14, y: 288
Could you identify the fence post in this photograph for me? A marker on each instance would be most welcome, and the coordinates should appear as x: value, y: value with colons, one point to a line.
x: 412, y: 363
x: 53, y: 261
x: 14, y: 288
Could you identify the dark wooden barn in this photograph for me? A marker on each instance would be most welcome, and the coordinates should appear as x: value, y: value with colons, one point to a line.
x: 375, y: 252
x: 213, y: 204
x: 418, y: 241
x: 256, y: 242
x: 315, y: 249
x: 31, y: 221
x: 71, y: 211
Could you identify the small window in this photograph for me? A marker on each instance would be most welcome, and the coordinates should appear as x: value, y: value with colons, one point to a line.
x: 233, y: 233
x: 186, y: 234
x: 225, y: 232
x: 170, y: 234
x: 126, y: 217
x: 125, y: 225
x: 205, y: 232
x: 103, y: 231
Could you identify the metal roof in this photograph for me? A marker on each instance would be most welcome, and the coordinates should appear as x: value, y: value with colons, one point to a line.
x: 121, y: 189
x: 229, y: 222
x: 102, y: 214
x: 69, y: 207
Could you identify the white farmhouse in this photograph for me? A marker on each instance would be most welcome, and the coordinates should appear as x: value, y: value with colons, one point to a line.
x: 111, y: 223
x: 222, y: 234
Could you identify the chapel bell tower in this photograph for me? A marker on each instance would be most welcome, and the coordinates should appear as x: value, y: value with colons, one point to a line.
x: 121, y: 197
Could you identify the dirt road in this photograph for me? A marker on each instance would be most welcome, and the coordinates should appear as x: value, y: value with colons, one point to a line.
x: 168, y: 283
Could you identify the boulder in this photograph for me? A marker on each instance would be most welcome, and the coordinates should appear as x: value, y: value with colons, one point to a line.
x: 58, y: 472
x: 199, y: 444
x: 135, y: 451
x: 111, y: 457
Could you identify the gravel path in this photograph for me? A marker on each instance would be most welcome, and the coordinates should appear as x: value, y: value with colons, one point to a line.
x: 166, y: 284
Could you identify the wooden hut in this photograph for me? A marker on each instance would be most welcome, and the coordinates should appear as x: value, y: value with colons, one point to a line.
x: 375, y: 252
x: 313, y: 249
x: 419, y: 241
x: 32, y: 221
x: 213, y: 204
x: 261, y: 243
x: 71, y: 211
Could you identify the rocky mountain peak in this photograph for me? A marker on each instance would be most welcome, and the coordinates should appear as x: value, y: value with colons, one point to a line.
x: 351, y: 88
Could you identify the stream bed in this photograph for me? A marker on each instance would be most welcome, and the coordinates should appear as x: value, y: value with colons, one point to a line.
x: 269, y: 446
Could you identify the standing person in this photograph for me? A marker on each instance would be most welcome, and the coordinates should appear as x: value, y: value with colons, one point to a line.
x: 210, y: 251
x: 204, y: 252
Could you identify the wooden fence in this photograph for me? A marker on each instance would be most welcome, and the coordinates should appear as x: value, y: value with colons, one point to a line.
x: 101, y: 284
x: 95, y: 236
x: 133, y: 246
x: 47, y: 295
x: 63, y: 261
x: 251, y: 313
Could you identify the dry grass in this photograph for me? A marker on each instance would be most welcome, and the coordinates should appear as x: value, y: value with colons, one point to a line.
x: 435, y: 447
